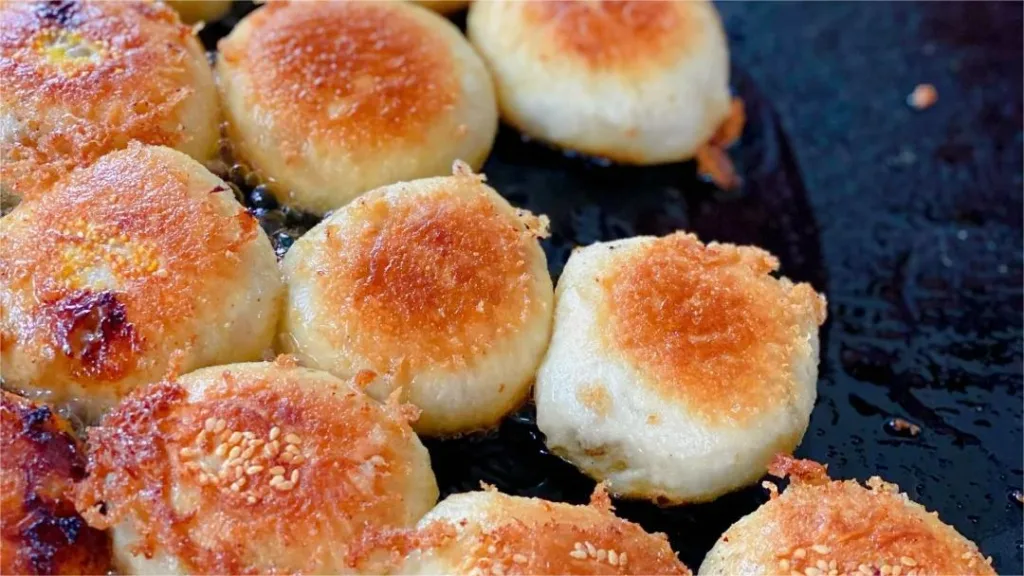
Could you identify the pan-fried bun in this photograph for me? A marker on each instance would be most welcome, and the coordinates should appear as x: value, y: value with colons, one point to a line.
x: 492, y: 533
x: 437, y: 286
x: 252, y: 468
x: 330, y: 99
x: 637, y: 82
x: 140, y: 262
x: 81, y: 79
x: 40, y: 530
x: 677, y: 369
x: 819, y: 526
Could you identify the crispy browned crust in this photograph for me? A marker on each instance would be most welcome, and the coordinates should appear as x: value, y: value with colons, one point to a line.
x: 40, y: 531
x: 139, y: 212
x: 164, y: 439
x: 707, y: 325
x: 352, y: 74
x: 534, y: 536
x: 845, y: 526
x: 618, y: 35
x: 427, y: 279
x: 131, y: 90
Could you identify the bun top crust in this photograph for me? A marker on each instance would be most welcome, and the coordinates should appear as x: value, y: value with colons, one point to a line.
x: 615, y: 36
x: 114, y: 254
x: 354, y: 74
x: 430, y: 273
x: 114, y: 71
x: 195, y: 458
x: 707, y: 326
x: 820, y: 520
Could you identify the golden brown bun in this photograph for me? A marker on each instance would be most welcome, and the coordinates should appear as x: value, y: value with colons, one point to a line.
x: 141, y: 261
x: 252, y: 468
x: 437, y: 286
x: 821, y: 527
x: 83, y: 78
x: 40, y: 531
x: 676, y: 370
x: 330, y: 99
x: 570, y: 73
x: 492, y: 533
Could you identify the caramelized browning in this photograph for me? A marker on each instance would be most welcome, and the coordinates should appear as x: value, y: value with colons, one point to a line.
x: 355, y: 74
x: 615, y: 34
x: 838, y: 526
x: 101, y: 267
x: 237, y: 472
x: 708, y: 326
x: 532, y: 536
x: 40, y: 531
x: 426, y: 279
x: 111, y: 72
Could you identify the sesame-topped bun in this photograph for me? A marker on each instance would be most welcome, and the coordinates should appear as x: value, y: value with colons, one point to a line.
x: 40, y: 531
x: 252, y: 468
x: 570, y: 73
x: 436, y: 286
x: 141, y: 262
x: 492, y: 533
x: 81, y: 79
x: 330, y: 99
x: 443, y: 6
x: 823, y: 527
x: 193, y: 11
x: 677, y: 369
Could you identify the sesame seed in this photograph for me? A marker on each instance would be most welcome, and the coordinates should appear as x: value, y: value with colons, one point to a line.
x: 864, y: 569
x: 832, y: 565
x: 235, y: 451
x: 186, y: 452
x: 784, y: 564
x: 812, y: 571
x: 201, y: 437
x: 822, y: 565
x: 799, y: 553
x: 274, y: 480
x: 591, y: 551
x: 221, y: 450
x: 821, y: 549
x: 908, y: 561
x: 284, y: 486
x: 491, y: 549
x: 256, y: 443
x: 498, y: 570
x: 221, y: 425
x: 223, y: 473
x: 292, y: 439
x: 192, y: 466
x: 886, y: 570
x: 965, y: 555
x: 298, y: 459
x: 235, y: 438
x: 235, y: 487
x: 578, y: 554
x: 274, y: 433
x: 277, y: 470
x: 613, y: 558
x: 519, y: 559
x: 251, y: 470
x: 286, y: 457
x: 897, y: 570
x: 251, y: 499
x: 210, y: 424
x: 240, y: 482
x: 295, y: 476
x: 247, y: 453
x: 833, y: 573
x: 601, y: 554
